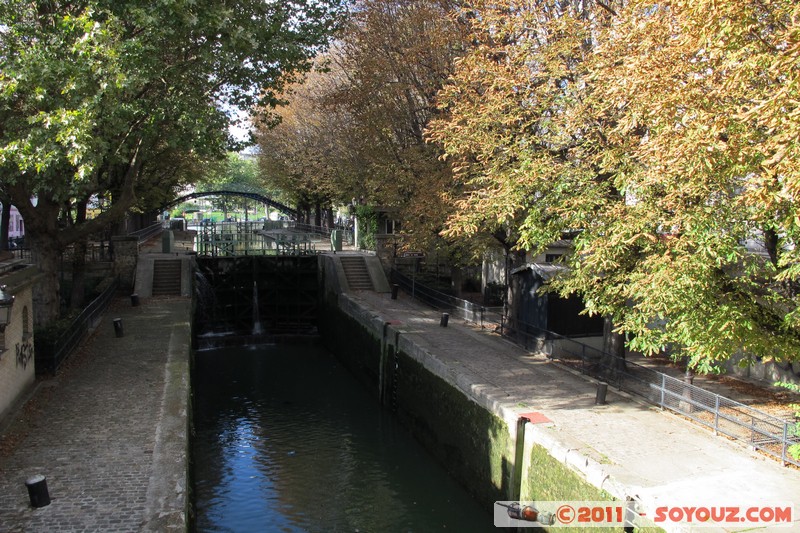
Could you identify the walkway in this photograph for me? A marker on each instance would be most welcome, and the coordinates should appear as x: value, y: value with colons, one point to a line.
x: 626, y: 447
x: 109, y: 432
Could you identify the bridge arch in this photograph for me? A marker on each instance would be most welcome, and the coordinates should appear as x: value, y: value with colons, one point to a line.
x: 251, y: 195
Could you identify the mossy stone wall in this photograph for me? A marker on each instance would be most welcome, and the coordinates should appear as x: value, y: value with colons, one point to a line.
x: 354, y: 345
x: 474, y: 445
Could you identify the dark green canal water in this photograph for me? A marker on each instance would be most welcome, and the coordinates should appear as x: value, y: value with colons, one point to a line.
x: 286, y: 440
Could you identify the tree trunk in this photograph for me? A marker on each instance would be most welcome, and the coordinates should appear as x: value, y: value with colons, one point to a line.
x: 5, y: 219
x: 457, y: 280
x: 303, y: 212
x: 47, y: 239
x: 513, y: 300
x: 78, y: 292
x: 613, y: 359
x: 771, y: 245
x: 46, y: 254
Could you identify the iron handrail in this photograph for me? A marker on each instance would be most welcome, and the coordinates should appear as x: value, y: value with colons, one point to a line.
x: 147, y: 232
x: 76, y: 331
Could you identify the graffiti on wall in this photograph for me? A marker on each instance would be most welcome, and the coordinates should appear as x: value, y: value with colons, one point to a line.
x: 24, y: 354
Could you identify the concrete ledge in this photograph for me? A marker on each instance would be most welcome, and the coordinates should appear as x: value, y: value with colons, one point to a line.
x: 377, y: 274
x: 167, y: 506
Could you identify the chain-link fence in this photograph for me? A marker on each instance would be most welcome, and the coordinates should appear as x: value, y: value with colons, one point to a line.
x: 753, y: 427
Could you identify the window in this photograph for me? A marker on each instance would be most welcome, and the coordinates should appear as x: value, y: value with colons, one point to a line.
x: 551, y: 258
x: 392, y: 226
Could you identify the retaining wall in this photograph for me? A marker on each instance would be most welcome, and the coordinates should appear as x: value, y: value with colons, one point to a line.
x: 476, y: 445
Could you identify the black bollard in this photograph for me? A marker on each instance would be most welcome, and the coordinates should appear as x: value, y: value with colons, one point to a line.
x: 395, y: 287
x: 443, y: 321
x: 602, y: 388
x: 37, y: 491
x: 134, y: 300
x: 118, y: 327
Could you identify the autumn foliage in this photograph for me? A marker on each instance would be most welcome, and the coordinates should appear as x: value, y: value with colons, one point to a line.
x: 355, y: 127
x: 664, y: 136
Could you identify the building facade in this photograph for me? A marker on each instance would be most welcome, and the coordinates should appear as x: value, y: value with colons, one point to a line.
x: 17, y: 372
x: 16, y: 226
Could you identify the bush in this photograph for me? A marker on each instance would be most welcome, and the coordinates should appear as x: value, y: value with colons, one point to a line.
x: 368, y: 226
x: 47, y: 336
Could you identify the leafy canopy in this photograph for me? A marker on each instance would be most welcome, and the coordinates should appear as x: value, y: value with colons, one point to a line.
x: 85, y: 85
x: 355, y: 127
x: 129, y: 100
x: 664, y: 135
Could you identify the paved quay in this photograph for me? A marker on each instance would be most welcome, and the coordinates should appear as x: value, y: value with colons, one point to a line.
x: 625, y: 447
x: 109, y: 431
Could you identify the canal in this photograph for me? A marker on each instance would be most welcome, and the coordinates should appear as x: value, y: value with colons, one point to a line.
x: 285, y: 439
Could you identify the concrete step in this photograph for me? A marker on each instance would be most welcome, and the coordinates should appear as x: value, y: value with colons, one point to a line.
x: 356, y: 273
x: 166, y: 277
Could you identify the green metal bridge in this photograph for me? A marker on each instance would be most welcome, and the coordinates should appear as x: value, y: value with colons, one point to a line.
x: 258, y: 197
x: 227, y: 239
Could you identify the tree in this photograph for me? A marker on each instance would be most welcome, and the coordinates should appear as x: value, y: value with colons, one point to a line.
x: 302, y: 150
x: 99, y: 97
x: 660, y: 134
x: 390, y: 61
x: 236, y: 173
x: 511, y: 132
x: 712, y: 167
x: 355, y: 128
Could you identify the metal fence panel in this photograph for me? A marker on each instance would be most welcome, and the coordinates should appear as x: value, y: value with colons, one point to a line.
x: 49, y: 358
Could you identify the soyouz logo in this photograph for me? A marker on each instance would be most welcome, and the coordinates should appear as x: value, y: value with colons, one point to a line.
x: 712, y: 515
x: 630, y: 513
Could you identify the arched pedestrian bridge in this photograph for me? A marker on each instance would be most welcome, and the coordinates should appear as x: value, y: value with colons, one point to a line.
x: 262, y: 237
x: 266, y: 200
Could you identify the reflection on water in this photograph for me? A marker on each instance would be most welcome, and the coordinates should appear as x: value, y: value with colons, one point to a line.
x: 286, y: 440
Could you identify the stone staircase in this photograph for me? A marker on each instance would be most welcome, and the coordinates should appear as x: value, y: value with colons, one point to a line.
x: 356, y: 273
x: 167, y: 277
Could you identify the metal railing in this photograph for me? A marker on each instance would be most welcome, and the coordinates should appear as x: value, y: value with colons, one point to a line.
x: 224, y: 239
x: 50, y: 356
x: 753, y: 427
x: 145, y: 233
x: 98, y: 249
x: 347, y: 234
x: 94, y: 252
x: 271, y: 237
x: 310, y: 228
x: 22, y: 253
x: 456, y: 307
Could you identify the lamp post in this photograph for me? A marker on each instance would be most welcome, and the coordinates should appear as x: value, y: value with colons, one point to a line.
x: 6, y: 301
